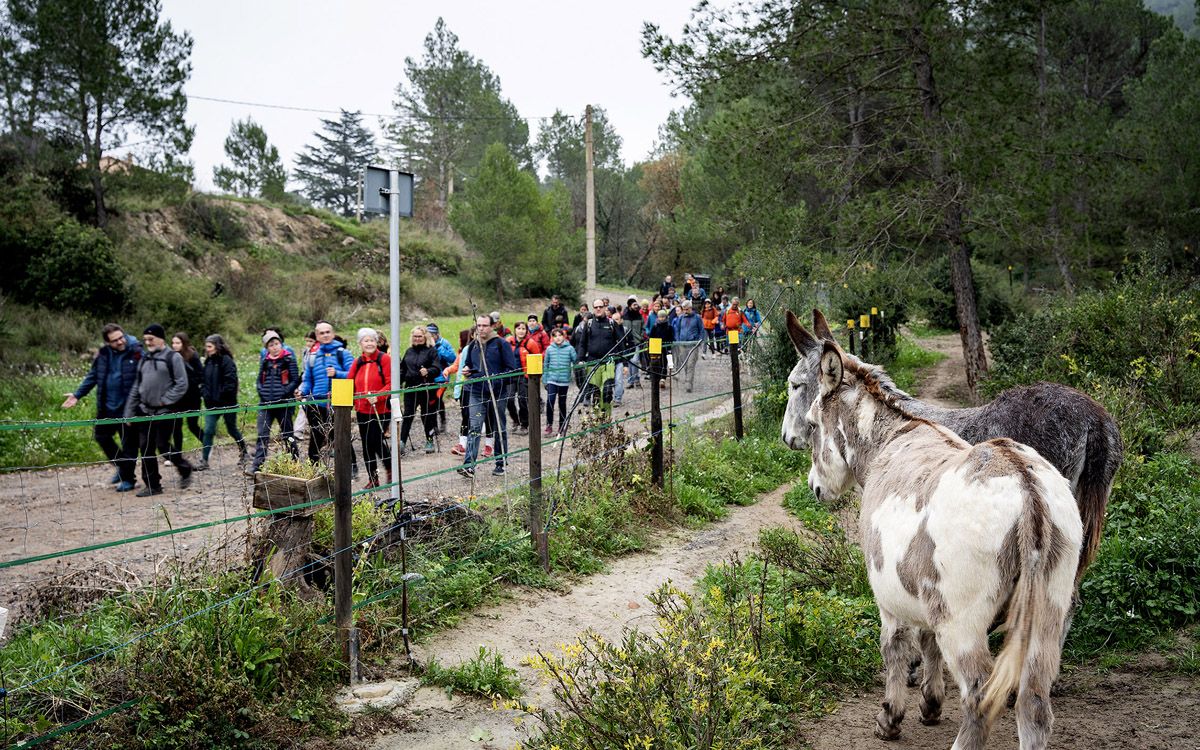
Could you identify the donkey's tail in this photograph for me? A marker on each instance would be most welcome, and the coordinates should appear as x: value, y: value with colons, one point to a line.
x: 1103, y: 456
x: 1035, y: 620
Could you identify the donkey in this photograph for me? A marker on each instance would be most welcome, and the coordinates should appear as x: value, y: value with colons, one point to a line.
x: 954, y: 536
x: 1068, y: 428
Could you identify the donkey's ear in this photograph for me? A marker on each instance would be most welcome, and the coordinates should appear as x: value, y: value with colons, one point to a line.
x: 831, y: 367
x: 804, y: 341
x: 821, y: 326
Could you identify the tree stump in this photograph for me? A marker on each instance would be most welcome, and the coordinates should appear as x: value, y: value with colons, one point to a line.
x: 286, y: 542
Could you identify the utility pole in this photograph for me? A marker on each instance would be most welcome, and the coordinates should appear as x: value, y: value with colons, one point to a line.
x: 590, y: 160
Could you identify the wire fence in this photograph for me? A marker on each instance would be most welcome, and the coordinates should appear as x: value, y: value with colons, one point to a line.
x: 72, y: 541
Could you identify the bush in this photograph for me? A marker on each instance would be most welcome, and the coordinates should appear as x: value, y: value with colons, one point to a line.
x: 485, y: 674
x: 76, y: 270
x: 213, y: 221
x: 1145, y: 578
x: 179, y: 302
x: 994, y: 301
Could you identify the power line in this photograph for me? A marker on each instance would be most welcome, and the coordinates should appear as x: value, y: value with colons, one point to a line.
x: 393, y: 115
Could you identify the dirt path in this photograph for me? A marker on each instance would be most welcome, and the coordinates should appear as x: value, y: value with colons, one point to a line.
x: 75, y: 506
x: 945, y: 384
x: 535, y: 620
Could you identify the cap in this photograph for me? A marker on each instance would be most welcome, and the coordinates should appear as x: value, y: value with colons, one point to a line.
x: 432, y: 328
x: 271, y: 335
x: 154, y: 329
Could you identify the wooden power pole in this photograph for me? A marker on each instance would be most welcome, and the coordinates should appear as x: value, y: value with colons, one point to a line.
x: 590, y: 161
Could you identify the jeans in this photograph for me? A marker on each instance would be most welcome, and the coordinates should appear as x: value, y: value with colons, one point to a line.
x: 486, y: 413
x: 685, y: 361
x: 619, y: 380
x: 266, y: 418
x: 558, y: 392
x: 123, y: 456
x: 231, y: 426
x: 522, y: 400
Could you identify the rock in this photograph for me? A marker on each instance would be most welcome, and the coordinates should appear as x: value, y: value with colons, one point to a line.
x: 348, y: 242
x: 234, y: 265
x: 377, y: 695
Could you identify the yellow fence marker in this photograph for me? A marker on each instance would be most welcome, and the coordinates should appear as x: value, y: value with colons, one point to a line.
x: 850, y: 324
x: 874, y: 310
x: 864, y: 321
x: 341, y: 392
x: 656, y: 346
x: 533, y: 364
x: 733, y: 336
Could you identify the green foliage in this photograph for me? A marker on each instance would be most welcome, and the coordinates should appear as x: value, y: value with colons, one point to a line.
x: 1145, y: 579
x: 78, y: 270
x: 520, y: 233
x: 365, y: 520
x: 179, y: 302
x: 331, y: 169
x: 254, y: 168
x: 484, y: 674
x: 213, y: 221
x: 935, y: 298
x: 284, y: 464
x: 1133, y: 346
x: 726, y: 471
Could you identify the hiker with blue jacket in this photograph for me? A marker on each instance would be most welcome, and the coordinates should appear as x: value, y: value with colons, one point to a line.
x: 278, y: 379
x: 159, y: 387
x: 328, y: 361
x: 113, y: 372
x: 487, y: 357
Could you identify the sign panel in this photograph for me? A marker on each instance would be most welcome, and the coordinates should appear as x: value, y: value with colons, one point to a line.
x: 533, y: 363
x: 341, y: 392
x: 376, y: 181
x: 656, y: 346
x: 733, y: 336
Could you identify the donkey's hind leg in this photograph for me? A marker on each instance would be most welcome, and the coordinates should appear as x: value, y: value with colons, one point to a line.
x: 1034, y: 715
x: 896, y: 645
x: 970, y: 662
x: 933, y: 684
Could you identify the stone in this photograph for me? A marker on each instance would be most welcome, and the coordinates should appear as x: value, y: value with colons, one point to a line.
x: 384, y: 695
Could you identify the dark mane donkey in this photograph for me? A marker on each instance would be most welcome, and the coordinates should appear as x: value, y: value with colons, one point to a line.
x: 1068, y: 428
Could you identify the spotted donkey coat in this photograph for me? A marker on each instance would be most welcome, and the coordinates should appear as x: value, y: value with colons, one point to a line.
x: 954, y: 537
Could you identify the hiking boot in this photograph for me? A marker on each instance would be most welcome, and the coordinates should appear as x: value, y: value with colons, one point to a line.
x: 521, y: 431
x: 466, y: 472
x: 498, y: 471
x: 149, y: 491
x: 458, y: 450
x: 125, y: 486
x: 185, y: 479
x: 201, y: 465
x: 429, y: 446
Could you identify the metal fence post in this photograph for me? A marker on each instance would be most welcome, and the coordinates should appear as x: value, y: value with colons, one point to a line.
x: 657, y: 365
x: 734, y: 339
x: 342, y: 403
x: 537, y: 503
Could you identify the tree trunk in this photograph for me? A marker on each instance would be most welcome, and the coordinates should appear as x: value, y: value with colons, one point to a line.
x: 947, y: 190
x: 287, y: 543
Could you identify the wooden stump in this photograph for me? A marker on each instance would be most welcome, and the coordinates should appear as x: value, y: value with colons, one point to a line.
x: 287, y: 539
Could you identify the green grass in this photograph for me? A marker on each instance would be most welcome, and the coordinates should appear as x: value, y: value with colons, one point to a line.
x: 484, y: 674
x: 910, y: 360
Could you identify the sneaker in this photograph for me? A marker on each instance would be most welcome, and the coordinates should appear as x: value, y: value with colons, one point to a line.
x: 429, y: 446
x: 185, y: 480
x: 125, y: 486
x: 548, y: 431
x: 116, y: 478
x: 617, y: 402
x: 487, y: 451
x: 466, y: 471
x: 498, y: 471
x: 201, y: 465
x: 458, y: 450
x: 149, y: 491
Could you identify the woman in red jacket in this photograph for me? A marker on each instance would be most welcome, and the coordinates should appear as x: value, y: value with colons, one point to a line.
x: 372, y: 373
x: 525, y: 344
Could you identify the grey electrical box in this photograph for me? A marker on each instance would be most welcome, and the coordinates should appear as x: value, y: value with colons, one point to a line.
x: 375, y: 191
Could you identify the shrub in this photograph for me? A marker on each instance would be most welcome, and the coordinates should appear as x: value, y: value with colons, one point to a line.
x: 213, y: 221
x: 76, y: 270
x: 1146, y: 575
x: 484, y: 674
x: 994, y: 301
x: 179, y: 302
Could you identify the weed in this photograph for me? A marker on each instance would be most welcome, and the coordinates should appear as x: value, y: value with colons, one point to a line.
x: 484, y: 674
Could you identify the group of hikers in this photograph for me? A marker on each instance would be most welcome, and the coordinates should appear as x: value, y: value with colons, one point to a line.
x: 601, y: 350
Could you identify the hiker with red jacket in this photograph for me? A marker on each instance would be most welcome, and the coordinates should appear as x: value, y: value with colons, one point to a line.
x: 372, y: 374
x: 278, y: 379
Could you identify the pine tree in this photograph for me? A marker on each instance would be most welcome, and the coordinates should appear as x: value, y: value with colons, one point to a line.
x: 330, y: 169
x: 255, y: 168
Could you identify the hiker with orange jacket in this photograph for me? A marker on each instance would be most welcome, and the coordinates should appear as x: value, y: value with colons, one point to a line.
x: 709, y: 317
x: 372, y: 374
x: 733, y: 318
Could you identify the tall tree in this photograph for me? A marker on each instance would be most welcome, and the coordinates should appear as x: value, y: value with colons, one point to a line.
x: 113, y: 72
x: 447, y: 115
x: 521, y: 233
x: 331, y: 169
x: 254, y: 168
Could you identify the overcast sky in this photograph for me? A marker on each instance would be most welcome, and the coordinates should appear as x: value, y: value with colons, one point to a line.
x: 350, y: 54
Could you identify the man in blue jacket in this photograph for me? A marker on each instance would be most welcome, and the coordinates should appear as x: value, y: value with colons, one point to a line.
x: 113, y: 373
x: 487, y: 356
x: 688, y: 335
x: 331, y: 360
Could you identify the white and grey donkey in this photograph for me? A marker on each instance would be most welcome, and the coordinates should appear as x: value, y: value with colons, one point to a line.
x: 954, y: 536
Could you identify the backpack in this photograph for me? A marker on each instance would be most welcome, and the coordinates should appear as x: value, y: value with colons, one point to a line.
x: 362, y: 362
